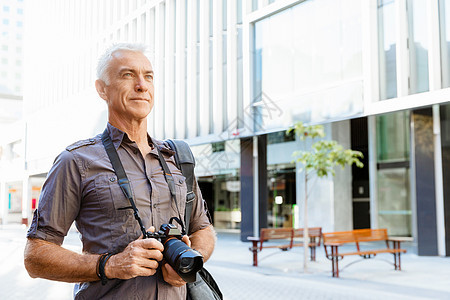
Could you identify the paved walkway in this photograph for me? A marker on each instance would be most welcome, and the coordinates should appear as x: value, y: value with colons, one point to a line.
x: 279, y: 276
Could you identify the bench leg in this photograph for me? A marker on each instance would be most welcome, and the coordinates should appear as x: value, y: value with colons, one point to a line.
x: 313, y: 253
x: 334, y: 261
x: 255, y: 253
x: 397, y: 262
x: 313, y: 249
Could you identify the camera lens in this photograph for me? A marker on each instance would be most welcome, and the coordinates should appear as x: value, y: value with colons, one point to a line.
x: 186, y: 265
x: 185, y: 261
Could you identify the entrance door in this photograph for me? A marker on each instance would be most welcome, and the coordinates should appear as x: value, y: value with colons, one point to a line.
x: 360, y: 176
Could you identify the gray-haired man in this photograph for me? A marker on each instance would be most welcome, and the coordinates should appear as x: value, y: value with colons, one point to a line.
x: 82, y: 187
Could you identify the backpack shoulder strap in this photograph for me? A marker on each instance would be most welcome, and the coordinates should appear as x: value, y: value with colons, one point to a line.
x: 186, y: 162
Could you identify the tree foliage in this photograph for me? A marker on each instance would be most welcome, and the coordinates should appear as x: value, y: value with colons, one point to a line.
x: 324, y: 155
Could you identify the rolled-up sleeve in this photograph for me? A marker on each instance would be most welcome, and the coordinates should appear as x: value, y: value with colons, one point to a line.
x: 199, y: 216
x: 59, y: 202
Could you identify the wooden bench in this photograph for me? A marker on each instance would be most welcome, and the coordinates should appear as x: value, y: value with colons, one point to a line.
x: 332, y: 241
x: 289, y: 238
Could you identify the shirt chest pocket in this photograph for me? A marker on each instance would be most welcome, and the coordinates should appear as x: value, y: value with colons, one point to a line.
x: 181, y: 191
x: 111, y: 197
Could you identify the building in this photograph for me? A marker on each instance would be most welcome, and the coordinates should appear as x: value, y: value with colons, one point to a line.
x: 232, y: 76
x: 11, y: 124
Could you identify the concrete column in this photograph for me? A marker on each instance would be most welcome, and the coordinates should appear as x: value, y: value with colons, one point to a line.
x: 151, y: 23
x: 253, y: 185
x: 204, y: 103
x: 158, y: 109
x: 247, y: 65
x: 342, y: 181
x: 217, y: 101
x: 373, y: 182
x: 231, y: 64
x: 192, y: 94
x: 425, y: 182
x: 248, y: 192
x: 180, y: 63
x: 169, y: 70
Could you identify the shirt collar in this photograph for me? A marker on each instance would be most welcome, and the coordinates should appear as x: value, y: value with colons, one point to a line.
x: 118, y: 137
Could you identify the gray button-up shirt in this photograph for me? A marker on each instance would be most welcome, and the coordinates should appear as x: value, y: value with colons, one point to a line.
x: 82, y: 187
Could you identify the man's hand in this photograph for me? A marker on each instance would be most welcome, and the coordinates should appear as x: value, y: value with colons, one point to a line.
x: 169, y: 274
x: 140, y: 258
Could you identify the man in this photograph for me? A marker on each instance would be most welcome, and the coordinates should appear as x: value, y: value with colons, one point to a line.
x: 82, y: 187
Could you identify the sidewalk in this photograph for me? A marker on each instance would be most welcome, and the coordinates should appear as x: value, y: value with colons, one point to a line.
x: 420, y: 278
x: 279, y: 275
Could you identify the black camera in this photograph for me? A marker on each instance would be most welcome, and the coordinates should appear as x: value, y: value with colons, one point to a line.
x: 183, y: 259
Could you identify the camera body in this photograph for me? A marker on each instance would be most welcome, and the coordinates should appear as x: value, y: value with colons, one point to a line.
x: 183, y: 259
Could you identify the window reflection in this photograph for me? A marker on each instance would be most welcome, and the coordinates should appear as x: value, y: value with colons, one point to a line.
x: 387, y: 49
x: 418, y: 46
x: 444, y: 8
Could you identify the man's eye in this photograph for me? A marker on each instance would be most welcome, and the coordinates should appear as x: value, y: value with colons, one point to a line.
x: 127, y: 75
x: 149, y: 77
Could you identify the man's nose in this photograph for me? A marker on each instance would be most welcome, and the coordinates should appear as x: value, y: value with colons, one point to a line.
x: 141, y: 85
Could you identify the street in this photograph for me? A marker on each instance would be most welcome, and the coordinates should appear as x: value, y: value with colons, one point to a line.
x: 279, y: 275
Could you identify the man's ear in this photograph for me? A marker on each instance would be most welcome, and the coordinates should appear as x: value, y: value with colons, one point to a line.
x: 101, y: 89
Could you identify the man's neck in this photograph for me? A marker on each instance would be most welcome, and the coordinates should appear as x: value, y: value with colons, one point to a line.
x: 136, y: 131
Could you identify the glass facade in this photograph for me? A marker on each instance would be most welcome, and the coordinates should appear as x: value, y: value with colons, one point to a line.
x: 418, y: 46
x: 394, y: 199
x: 387, y: 49
x: 282, y: 195
x: 444, y: 9
x: 218, y: 174
x: 313, y: 71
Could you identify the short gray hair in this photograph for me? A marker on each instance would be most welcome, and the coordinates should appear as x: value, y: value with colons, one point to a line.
x: 105, y: 59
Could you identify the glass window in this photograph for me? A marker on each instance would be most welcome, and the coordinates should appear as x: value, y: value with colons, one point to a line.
x: 394, y: 201
x: 5, y: 22
x: 394, y: 208
x: 281, y: 196
x: 387, y: 49
x: 4, y: 61
x: 280, y: 137
x: 418, y: 46
x: 20, y: 11
x: 5, y: 8
x: 19, y: 23
x: 317, y: 58
x: 444, y: 9
x: 254, y: 5
x: 239, y: 11
x: 4, y: 47
x: 393, y: 137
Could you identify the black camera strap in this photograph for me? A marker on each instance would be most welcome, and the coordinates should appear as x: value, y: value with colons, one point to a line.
x: 121, y: 176
x: 125, y: 184
x: 171, y: 183
x: 185, y: 162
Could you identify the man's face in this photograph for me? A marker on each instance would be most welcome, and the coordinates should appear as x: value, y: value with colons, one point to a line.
x: 129, y: 94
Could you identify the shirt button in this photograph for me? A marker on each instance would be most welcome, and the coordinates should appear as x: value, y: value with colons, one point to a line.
x: 112, y: 179
x: 155, y: 205
x: 180, y: 181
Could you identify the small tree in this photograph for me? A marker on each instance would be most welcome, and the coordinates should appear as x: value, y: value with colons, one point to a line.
x: 321, y: 160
